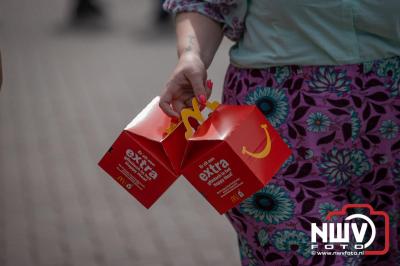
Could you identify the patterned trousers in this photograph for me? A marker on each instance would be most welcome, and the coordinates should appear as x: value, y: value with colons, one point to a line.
x: 343, y: 126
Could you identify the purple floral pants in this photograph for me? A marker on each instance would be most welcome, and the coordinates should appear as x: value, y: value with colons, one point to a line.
x: 343, y: 126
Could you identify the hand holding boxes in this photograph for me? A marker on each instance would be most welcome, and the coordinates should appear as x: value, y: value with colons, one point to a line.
x: 232, y: 154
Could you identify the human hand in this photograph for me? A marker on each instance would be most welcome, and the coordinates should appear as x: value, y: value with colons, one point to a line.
x: 187, y: 81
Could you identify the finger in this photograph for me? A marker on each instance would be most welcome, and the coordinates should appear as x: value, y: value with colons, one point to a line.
x: 209, y: 87
x: 188, y: 103
x: 197, y: 81
x: 187, y: 97
x: 165, y: 105
x: 178, y: 105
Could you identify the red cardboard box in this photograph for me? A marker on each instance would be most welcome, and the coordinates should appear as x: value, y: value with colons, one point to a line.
x: 232, y: 155
x: 144, y: 159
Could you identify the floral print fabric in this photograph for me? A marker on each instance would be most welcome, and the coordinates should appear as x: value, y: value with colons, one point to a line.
x: 230, y: 13
x: 343, y: 126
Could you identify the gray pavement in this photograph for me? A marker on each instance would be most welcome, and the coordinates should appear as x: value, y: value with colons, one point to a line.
x: 66, y: 96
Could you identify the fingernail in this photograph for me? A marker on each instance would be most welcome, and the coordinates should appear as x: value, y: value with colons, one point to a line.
x: 203, y: 99
x: 209, y: 84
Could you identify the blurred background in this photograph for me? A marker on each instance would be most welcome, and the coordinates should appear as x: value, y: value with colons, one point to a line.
x: 74, y: 75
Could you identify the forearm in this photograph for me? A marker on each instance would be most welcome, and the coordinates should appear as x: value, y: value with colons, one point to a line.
x: 199, y: 35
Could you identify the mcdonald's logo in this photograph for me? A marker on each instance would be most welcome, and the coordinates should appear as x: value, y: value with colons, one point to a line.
x: 196, y: 114
x: 120, y: 179
x: 234, y: 198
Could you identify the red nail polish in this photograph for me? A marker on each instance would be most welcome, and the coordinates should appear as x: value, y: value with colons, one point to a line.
x: 209, y: 84
x: 202, y: 99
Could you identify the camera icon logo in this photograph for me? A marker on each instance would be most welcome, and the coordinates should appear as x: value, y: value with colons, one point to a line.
x: 336, y: 233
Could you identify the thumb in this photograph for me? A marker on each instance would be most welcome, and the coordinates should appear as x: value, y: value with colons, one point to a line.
x: 197, y: 80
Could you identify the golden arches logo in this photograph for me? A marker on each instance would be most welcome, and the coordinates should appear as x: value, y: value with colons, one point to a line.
x: 196, y: 114
x: 234, y: 198
x: 265, y: 151
x: 121, y: 180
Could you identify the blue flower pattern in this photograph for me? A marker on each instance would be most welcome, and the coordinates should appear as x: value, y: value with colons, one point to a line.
x: 273, y: 103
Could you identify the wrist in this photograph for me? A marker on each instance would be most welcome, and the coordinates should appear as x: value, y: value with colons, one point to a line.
x: 195, y: 56
x: 189, y: 54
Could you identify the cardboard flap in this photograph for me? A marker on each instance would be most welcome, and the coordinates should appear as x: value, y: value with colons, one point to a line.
x: 155, y: 149
x: 207, y: 130
x: 174, y: 146
x: 151, y: 122
x: 196, y: 149
x: 216, y: 129
x: 226, y: 118
x: 251, y: 133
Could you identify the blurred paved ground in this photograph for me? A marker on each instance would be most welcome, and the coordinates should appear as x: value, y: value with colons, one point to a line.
x: 66, y: 96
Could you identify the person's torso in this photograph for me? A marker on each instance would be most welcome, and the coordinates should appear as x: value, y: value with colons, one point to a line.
x: 318, y: 32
